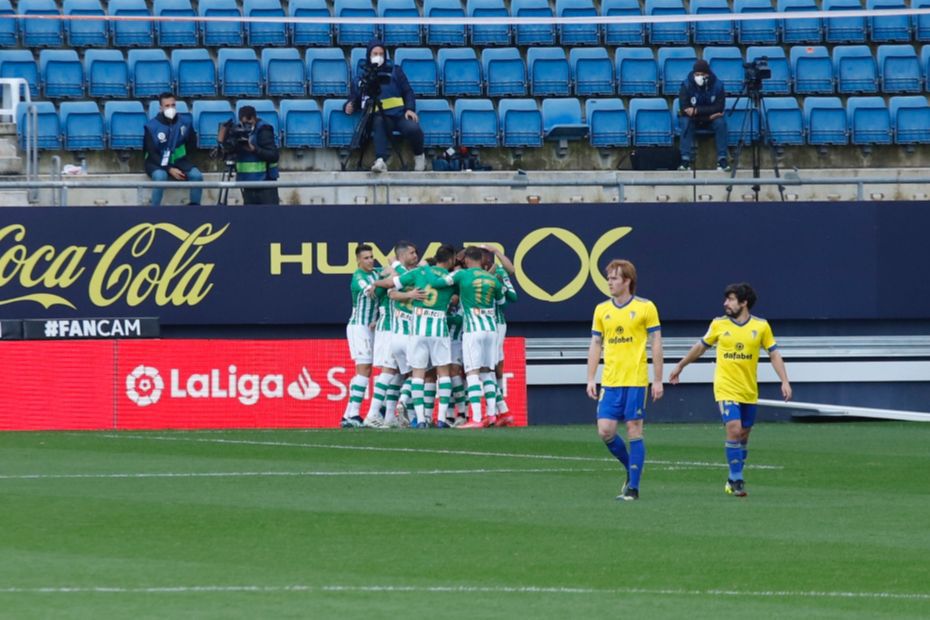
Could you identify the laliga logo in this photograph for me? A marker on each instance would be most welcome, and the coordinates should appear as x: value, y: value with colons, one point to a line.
x: 144, y: 386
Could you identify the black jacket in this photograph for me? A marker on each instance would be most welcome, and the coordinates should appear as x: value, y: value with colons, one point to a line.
x: 708, y: 99
x: 154, y: 145
x: 391, y: 79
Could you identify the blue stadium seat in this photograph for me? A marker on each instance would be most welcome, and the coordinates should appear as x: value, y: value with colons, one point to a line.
x: 356, y: 56
x: 608, y: 122
x: 891, y: 28
x: 420, y: 66
x: 264, y: 109
x: 548, y: 72
x: 925, y: 63
x: 742, y: 122
x: 910, y: 119
x: 712, y: 33
x: 319, y: 35
x: 49, y: 127
x: 302, y: 124
x: 577, y: 34
x: 780, y: 82
x: 9, y: 28
x: 338, y: 125
x: 592, y: 71
x: 217, y: 34
x: 921, y: 23
x: 637, y: 72
x: 20, y: 64
x: 784, y: 121
x: 756, y: 32
x: 62, y: 74
x: 85, y: 33
x: 444, y: 34
x: 175, y: 33
x: 180, y: 104
x: 284, y: 72
x: 194, y: 73
x: 504, y: 72
x: 855, y: 69
x: 520, y: 122
x: 490, y: 35
x: 327, y: 72
x: 149, y: 72
x: 130, y: 33
x: 107, y: 73
x: 812, y: 68
x: 40, y: 32
x: 869, y: 121
x: 399, y: 34
x: 354, y: 34
x: 675, y: 63
x: 460, y: 71
x: 265, y: 33
x: 476, y: 123
x: 437, y: 122
x: 825, y: 121
x: 800, y: 30
x: 81, y: 126
x: 125, y: 124
x: 239, y: 72
x: 727, y: 65
x: 533, y: 34
x: 207, y: 117
x: 651, y: 122
x: 671, y: 33
x: 562, y: 119
x: 844, y: 29
x: 623, y: 34
x: 899, y: 69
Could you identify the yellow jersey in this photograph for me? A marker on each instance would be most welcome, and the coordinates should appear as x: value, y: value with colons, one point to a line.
x: 624, y: 331
x: 738, y: 346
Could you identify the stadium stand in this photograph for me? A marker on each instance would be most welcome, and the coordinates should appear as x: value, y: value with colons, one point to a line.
x: 651, y: 122
x: 844, y: 29
x: 742, y: 121
x: 489, y: 35
x: 207, y: 117
x: 727, y: 65
x: 812, y: 69
x: 131, y: 33
x: 107, y: 73
x: 240, y: 73
x: 327, y: 72
x: 265, y: 33
x: 320, y: 35
x: 354, y: 34
x: 891, y: 28
x: 420, y: 67
x: 21, y: 64
x: 825, y: 121
x: 520, y: 123
x: 921, y: 23
x: 667, y: 33
x: 533, y: 34
x: 504, y: 72
x: 757, y: 31
x: 125, y: 124
x: 899, y: 69
x: 444, y: 34
x: 85, y: 33
x: 712, y: 33
x: 40, y: 32
x: 577, y: 34
x: 284, y: 73
x: 194, y: 73
x: 175, y: 33
x: 869, y: 121
x: 674, y: 64
x: 592, y: 71
x: 855, y: 69
x: 795, y: 31
x: 780, y: 81
x: 9, y: 32
x: 61, y: 74
x: 338, y: 125
x: 562, y: 120
x: 149, y: 72
x: 399, y: 34
x: 49, y: 127
x: 910, y: 119
x: 437, y: 122
x: 81, y: 126
x: 460, y: 72
x: 302, y: 124
x: 608, y: 123
x: 637, y: 72
x: 627, y: 33
x: 548, y: 71
x: 784, y: 121
x: 216, y: 34
x: 476, y: 123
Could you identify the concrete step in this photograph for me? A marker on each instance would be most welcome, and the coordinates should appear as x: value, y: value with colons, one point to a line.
x: 7, y: 129
x: 13, y: 198
x: 10, y: 161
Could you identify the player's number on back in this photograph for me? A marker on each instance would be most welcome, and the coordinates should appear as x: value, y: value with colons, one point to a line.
x: 482, y: 293
x: 432, y: 296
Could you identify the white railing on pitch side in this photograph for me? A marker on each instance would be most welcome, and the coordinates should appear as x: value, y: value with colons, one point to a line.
x: 846, y: 411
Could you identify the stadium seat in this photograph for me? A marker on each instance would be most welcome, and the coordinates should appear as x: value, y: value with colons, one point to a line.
x: 62, y: 74
x: 891, y: 28
x: 420, y: 66
x: 81, y: 126
x: 20, y: 64
x: 444, y: 34
x: 194, y: 73
x: 239, y: 72
x: 504, y: 72
x: 284, y: 72
x: 637, y: 72
x: 780, y: 82
x: 742, y: 122
x: 592, y: 71
x: 562, y: 120
x: 265, y: 33
x: 520, y: 123
x: 548, y: 72
x: 85, y: 33
x: 207, y: 117
x: 489, y: 35
x: 460, y: 71
x: 130, y: 33
x: 175, y: 33
x: 869, y: 121
x: 338, y: 125
x: 399, y: 34
x: 813, y: 70
x: 125, y: 124
x: 40, y: 32
x: 327, y: 72
x: 356, y: 57
x: 320, y: 35
x: 921, y: 23
x: 155, y: 105
x: 899, y: 69
x: 727, y: 65
x: 608, y: 123
x: 302, y: 124
x: 437, y: 123
x: 670, y: 33
x: 577, y: 34
x: 9, y: 28
x: 216, y: 34
x: 756, y: 32
x: 354, y: 34
x: 844, y: 29
x: 712, y: 33
x: 476, y: 123
x: 107, y: 73
x: 533, y: 34
x: 651, y: 122
x: 675, y: 63
x: 48, y: 130
x: 910, y: 119
x: 855, y: 69
x: 264, y: 109
x: 825, y: 121
x: 784, y: 122
x: 623, y: 34
x: 795, y: 31
x: 149, y: 72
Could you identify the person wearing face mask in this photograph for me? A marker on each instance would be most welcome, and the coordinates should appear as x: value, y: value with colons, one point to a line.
x: 384, y: 85
x: 168, y: 140
x: 701, y: 101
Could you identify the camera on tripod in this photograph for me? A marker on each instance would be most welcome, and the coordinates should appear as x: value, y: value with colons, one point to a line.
x: 371, y: 80
x: 756, y: 71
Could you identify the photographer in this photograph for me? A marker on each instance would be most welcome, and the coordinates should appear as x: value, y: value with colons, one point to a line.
x: 167, y: 141
x: 251, y: 142
x: 701, y: 100
x: 384, y: 85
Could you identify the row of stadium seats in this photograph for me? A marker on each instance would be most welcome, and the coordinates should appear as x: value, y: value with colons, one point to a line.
x: 89, y: 33
x: 458, y: 72
x: 516, y: 123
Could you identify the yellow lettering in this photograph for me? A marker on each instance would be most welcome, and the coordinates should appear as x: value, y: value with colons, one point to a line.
x: 194, y: 285
x: 384, y: 258
x: 142, y: 284
x: 573, y: 242
x: 65, y: 268
x: 431, y: 249
x: 304, y: 259
x: 322, y: 259
x: 606, y: 240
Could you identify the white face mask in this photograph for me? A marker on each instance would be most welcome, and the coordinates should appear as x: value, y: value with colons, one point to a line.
x: 377, y: 60
x: 700, y: 79
x: 170, y: 113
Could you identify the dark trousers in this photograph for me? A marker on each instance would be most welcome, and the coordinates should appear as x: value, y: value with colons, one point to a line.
x: 266, y: 196
x: 690, y: 126
x: 383, y: 125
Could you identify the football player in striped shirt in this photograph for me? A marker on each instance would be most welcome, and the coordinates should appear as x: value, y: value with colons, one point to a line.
x: 360, y: 332
x: 502, y: 268
x: 739, y: 337
x: 456, y: 320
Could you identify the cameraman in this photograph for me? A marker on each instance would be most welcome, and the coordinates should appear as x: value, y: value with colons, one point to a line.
x: 383, y: 84
x: 701, y: 100
x: 252, y: 143
x: 167, y: 141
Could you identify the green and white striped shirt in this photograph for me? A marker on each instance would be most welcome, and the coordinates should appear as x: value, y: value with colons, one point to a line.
x: 510, y: 293
x: 455, y: 318
x: 401, y: 311
x: 479, y: 293
x: 430, y: 313
x: 364, y: 308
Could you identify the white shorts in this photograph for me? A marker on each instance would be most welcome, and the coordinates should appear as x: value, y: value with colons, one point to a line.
x: 399, y: 344
x: 479, y: 350
x: 456, y: 347
x: 382, y: 350
x: 360, y: 343
x: 501, y: 335
x: 425, y: 351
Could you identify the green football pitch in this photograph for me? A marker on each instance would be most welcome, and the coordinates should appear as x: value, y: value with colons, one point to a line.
x: 511, y: 523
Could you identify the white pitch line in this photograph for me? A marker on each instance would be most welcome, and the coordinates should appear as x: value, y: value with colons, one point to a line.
x: 258, y: 474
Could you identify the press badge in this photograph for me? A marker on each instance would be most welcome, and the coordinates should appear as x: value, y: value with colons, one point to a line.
x: 165, y: 156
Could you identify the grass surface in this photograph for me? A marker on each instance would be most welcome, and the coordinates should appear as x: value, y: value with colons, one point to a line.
x: 457, y: 524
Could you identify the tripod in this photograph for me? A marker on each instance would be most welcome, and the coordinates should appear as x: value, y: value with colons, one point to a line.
x: 228, y: 175
x: 752, y: 91
x: 362, y: 134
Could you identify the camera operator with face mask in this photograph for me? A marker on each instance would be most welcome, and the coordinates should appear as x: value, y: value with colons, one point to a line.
x: 701, y: 100
x: 382, y: 84
x: 167, y: 141
x: 251, y: 143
